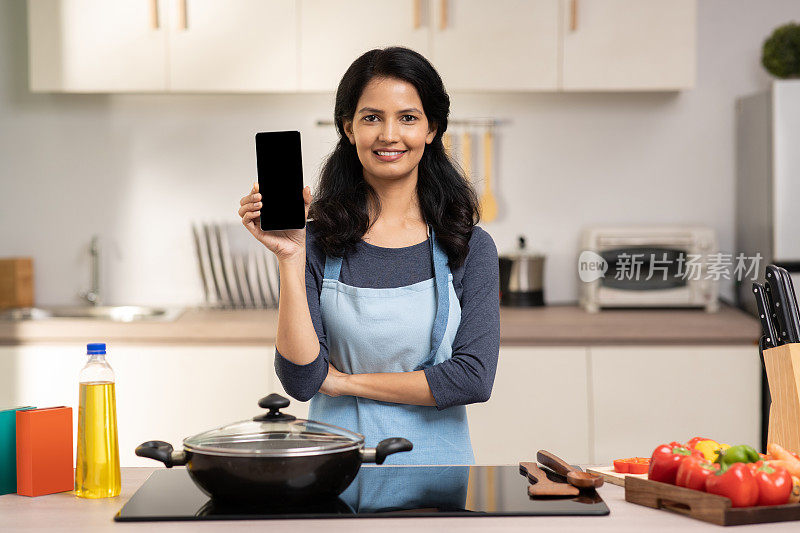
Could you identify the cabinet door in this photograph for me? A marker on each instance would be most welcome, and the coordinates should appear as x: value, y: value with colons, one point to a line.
x: 97, y: 45
x: 334, y: 34
x: 233, y: 46
x: 539, y: 401
x: 504, y: 45
x: 629, y: 44
x: 648, y: 395
x: 163, y: 392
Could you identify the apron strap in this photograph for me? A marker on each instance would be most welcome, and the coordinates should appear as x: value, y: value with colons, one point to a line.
x: 333, y: 266
x: 440, y: 273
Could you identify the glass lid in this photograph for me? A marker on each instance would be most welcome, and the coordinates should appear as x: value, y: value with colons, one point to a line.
x: 274, y: 434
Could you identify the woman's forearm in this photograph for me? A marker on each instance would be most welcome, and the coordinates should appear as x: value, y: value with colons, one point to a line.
x: 398, y: 387
x: 296, y: 339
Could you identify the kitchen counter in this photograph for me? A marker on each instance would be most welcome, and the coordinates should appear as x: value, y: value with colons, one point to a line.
x: 542, y: 326
x: 65, y: 513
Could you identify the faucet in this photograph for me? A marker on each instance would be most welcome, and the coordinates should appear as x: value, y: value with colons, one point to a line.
x: 93, y: 294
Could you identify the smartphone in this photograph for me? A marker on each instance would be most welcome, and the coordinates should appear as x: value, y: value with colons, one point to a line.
x: 280, y: 180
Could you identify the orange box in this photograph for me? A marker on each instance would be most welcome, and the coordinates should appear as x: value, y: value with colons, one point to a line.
x: 44, y: 451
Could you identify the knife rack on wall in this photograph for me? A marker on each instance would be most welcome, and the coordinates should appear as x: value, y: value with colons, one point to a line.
x: 461, y: 148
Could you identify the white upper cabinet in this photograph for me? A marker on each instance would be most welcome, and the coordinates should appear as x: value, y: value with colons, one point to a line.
x: 307, y: 45
x: 334, y: 34
x: 97, y: 46
x: 503, y: 45
x: 629, y: 44
x: 233, y: 46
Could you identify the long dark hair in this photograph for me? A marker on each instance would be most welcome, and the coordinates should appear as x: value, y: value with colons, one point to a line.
x: 448, y: 203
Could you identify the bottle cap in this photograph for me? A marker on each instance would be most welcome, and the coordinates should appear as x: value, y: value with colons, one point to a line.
x: 95, y: 348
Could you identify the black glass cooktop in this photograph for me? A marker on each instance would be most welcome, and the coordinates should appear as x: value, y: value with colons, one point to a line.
x: 377, y: 491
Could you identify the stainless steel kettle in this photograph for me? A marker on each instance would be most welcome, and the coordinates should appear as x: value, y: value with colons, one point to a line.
x: 521, y: 278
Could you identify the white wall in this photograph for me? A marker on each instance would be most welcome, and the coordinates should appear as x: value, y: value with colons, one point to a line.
x: 136, y: 169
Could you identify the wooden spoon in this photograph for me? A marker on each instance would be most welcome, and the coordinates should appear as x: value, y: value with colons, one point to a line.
x: 466, y: 153
x: 488, y: 204
x: 575, y: 477
x: 542, y: 486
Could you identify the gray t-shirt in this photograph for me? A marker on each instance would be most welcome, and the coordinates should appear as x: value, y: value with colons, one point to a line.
x: 466, y: 377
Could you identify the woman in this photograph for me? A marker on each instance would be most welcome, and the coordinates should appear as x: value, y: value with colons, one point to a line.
x: 389, y: 313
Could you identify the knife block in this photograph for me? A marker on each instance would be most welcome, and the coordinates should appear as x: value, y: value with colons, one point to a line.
x: 783, y: 374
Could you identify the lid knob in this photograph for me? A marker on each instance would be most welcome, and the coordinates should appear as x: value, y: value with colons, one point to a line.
x: 274, y: 402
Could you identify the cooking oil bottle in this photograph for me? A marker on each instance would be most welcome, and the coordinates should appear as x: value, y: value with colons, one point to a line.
x: 97, y: 461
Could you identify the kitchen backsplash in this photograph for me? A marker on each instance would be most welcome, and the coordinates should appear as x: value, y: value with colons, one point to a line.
x: 138, y: 169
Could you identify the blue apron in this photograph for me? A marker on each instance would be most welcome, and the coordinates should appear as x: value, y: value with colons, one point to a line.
x: 394, y: 330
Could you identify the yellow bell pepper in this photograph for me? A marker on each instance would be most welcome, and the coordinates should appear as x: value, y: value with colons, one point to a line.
x: 710, y: 449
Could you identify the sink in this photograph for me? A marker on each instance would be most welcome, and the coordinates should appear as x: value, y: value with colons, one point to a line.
x: 116, y: 313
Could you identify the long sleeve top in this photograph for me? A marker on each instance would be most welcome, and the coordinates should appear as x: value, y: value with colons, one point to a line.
x: 467, y: 377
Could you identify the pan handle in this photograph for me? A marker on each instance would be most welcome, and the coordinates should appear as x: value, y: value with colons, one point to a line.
x: 385, y: 448
x: 161, y: 451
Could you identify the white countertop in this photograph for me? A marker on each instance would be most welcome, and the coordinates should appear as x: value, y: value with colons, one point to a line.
x: 64, y: 513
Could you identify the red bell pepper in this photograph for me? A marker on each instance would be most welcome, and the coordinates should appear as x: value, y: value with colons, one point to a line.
x: 774, y: 484
x: 737, y: 483
x: 693, y: 471
x: 666, y: 459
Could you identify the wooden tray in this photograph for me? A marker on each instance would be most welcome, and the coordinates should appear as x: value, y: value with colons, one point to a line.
x: 704, y: 506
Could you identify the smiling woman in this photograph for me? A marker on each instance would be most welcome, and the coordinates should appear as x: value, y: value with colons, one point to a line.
x: 388, y: 317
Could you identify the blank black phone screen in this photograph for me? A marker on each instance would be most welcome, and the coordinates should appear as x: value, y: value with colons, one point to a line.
x: 280, y: 180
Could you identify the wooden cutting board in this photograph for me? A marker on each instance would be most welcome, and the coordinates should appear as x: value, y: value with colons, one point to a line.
x: 16, y: 282
x: 615, y: 478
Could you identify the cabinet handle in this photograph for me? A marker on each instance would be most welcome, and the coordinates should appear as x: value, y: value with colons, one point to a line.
x: 443, y: 19
x: 417, y: 14
x: 183, y: 22
x: 154, y: 14
x: 573, y: 22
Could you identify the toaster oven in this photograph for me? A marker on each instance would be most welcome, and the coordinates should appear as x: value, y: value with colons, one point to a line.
x: 648, y: 267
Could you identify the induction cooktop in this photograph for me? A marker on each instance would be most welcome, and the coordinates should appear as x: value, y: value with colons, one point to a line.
x: 377, y: 491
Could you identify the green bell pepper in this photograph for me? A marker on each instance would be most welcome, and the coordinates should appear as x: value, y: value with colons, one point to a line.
x: 737, y: 454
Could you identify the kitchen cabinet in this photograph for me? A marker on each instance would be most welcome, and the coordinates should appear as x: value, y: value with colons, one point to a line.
x: 504, y: 45
x: 334, y: 34
x: 307, y: 45
x: 163, y: 392
x: 628, y: 44
x: 163, y: 45
x: 540, y: 400
x: 646, y: 395
x: 97, y: 46
x: 233, y: 46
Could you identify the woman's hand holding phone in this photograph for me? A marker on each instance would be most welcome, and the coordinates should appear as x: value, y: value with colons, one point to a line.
x: 285, y: 244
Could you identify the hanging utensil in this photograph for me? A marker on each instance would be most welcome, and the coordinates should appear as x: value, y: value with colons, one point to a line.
x: 487, y: 201
x: 466, y: 153
x: 447, y: 141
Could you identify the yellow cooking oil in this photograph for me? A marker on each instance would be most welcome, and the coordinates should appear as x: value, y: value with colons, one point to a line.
x: 97, y: 473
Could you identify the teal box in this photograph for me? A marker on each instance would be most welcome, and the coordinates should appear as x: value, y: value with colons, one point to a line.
x: 8, y: 449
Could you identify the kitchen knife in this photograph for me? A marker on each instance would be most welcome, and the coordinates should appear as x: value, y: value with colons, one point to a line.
x: 791, y: 302
x: 771, y: 311
x: 764, y: 312
x: 780, y: 302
